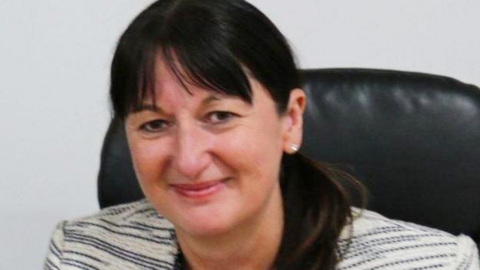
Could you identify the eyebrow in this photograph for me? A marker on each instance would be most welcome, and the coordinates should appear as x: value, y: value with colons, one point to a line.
x: 210, y: 99
x: 153, y: 108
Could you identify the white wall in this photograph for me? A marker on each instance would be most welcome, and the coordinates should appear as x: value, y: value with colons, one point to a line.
x: 54, y: 60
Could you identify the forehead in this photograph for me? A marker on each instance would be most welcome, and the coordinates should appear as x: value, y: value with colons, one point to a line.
x: 175, y: 90
x: 173, y: 85
x: 172, y: 78
x: 169, y: 79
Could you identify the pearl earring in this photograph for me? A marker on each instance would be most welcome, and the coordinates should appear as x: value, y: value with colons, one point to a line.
x: 294, y: 148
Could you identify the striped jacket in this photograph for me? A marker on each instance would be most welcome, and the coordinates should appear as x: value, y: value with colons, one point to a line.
x: 134, y: 236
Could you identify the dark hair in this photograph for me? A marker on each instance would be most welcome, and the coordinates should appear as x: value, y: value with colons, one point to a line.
x: 211, y: 43
x: 217, y: 45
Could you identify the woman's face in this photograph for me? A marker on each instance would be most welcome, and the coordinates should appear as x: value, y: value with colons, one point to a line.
x: 209, y: 162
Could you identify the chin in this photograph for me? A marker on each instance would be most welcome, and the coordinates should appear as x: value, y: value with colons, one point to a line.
x: 205, y: 222
x: 203, y: 229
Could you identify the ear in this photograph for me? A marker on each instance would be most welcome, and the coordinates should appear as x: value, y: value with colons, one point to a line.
x: 293, y: 121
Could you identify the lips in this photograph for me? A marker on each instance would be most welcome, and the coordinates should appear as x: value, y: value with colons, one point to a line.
x: 199, y: 190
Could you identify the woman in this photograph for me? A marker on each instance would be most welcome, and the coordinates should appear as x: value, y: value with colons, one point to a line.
x: 211, y: 100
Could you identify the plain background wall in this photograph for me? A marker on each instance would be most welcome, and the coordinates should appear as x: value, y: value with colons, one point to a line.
x: 54, y: 111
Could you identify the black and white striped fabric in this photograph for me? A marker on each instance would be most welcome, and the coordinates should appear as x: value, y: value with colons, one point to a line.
x: 134, y: 236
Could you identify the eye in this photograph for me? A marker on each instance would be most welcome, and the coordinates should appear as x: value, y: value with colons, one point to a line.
x: 219, y: 117
x: 154, y: 126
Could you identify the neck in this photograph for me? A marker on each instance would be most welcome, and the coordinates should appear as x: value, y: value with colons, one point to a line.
x: 250, y: 246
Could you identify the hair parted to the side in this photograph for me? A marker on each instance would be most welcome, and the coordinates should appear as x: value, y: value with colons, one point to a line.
x: 218, y: 45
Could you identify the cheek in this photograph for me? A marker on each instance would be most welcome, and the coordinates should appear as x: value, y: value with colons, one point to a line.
x: 253, y: 149
x: 148, y: 160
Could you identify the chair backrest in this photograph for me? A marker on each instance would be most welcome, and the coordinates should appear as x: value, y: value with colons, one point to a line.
x: 413, y: 139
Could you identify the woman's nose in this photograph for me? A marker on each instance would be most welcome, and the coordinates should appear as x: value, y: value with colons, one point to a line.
x: 191, y: 155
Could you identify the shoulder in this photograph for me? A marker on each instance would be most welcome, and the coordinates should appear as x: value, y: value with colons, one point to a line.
x: 376, y: 242
x: 128, y: 236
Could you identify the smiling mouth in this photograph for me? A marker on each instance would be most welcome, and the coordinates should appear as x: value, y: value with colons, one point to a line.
x: 199, y: 190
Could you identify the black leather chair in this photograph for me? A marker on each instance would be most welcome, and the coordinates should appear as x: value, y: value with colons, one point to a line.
x: 413, y: 139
